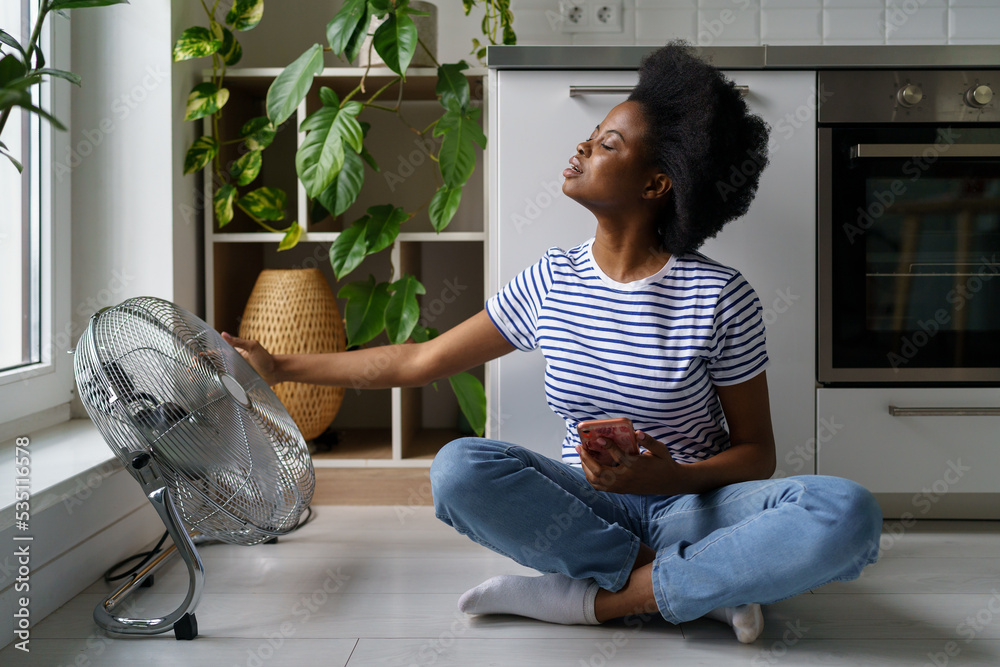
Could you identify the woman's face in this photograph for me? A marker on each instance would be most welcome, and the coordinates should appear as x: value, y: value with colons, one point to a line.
x: 611, y: 170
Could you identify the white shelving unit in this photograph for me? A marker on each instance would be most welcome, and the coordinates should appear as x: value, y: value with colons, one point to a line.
x: 375, y: 428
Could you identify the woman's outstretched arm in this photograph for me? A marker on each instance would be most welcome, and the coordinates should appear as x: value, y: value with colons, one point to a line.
x: 471, y: 343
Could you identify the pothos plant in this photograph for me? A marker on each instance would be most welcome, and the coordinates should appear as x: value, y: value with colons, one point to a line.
x: 330, y: 161
x: 23, y: 66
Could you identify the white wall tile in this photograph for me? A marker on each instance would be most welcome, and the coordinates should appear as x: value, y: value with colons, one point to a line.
x: 871, y: 4
x: 626, y: 36
x: 734, y: 5
x: 791, y: 4
x: 791, y: 26
x: 657, y: 26
x: 666, y: 4
x: 539, y: 27
x: 853, y: 26
x: 972, y: 3
x: 728, y: 27
x: 907, y: 22
x: 974, y: 25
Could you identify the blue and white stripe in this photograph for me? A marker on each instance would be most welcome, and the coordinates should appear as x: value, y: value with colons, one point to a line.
x: 650, y: 350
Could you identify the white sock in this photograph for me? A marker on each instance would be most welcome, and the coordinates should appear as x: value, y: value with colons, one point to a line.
x: 746, y: 620
x: 555, y: 598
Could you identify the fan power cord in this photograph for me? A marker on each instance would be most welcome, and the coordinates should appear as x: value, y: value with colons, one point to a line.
x: 149, y: 555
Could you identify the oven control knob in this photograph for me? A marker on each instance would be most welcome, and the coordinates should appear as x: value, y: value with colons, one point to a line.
x: 979, y: 96
x: 910, y: 95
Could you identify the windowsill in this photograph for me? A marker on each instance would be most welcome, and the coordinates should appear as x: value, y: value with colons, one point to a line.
x: 65, y: 459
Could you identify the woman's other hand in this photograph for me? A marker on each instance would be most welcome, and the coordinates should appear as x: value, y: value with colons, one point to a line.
x: 261, y: 360
x: 653, y: 472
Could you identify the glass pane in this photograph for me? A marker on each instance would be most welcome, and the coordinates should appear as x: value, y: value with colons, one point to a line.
x: 16, y: 303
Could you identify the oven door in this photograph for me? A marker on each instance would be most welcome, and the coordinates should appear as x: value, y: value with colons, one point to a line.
x: 909, y: 254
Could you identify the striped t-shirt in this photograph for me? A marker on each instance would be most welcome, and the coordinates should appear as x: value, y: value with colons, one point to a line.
x: 650, y: 350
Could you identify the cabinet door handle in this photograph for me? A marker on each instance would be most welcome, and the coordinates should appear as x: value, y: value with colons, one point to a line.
x: 577, y: 91
x: 916, y: 150
x: 943, y: 412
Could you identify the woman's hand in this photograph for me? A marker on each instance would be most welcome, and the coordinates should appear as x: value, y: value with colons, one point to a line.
x: 653, y: 472
x: 261, y: 360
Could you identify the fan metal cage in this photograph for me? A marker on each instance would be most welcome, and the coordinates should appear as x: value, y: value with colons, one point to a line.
x: 155, y: 378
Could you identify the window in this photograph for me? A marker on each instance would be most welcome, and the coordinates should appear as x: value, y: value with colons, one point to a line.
x: 20, y: 270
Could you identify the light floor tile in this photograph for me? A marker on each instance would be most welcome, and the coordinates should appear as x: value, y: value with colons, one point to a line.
x: 922, y: 575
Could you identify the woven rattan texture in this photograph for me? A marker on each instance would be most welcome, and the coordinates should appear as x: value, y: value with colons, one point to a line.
x: 293, y: 311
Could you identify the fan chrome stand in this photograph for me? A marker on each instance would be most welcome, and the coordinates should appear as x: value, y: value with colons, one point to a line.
x: 182, y: 620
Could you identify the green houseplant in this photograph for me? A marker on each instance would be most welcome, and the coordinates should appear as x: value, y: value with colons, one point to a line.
x: 330, y: 161
x: 23, y: 66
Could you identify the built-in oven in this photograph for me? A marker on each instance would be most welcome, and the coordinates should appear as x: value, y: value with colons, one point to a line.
x: 909, y: 227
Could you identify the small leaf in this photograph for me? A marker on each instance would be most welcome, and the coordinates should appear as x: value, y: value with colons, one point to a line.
x: 246, y: 167
x: 365, y: 311
x: 231, y: 51
x: 452, y: 86
x: 201, y: 153
x: 320, y: 157
x: 367, y: 157
x: 205, y: 99
x: 328, y: 97
x: 290, y: 87
x: 421, y: 334
x: 403, y: 311
x: 196, y: 42
x: 345, y: 188
x: 443, y: 206
x: 60, y: 73
x: 245, y: 14
x: 291, y: 237
x: 20, y: 98
x: 357, y: 40
x: 223, y: 204
x: 57, y: 5
x: 457, y: 156
x: 471, y: 400
x: 344, y: 23
x: 6, y: 153
x: 383, y: 228
x: 11, y: 69
x: 396, y: 41
x: 349, y: 249
x: 8, y: 39
x: 258, y: 133
x: 264, y: 203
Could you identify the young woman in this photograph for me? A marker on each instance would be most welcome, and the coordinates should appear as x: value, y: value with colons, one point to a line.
x: 635, y: 323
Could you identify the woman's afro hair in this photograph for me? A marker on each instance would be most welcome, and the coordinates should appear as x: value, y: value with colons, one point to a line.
x: 701, y: 134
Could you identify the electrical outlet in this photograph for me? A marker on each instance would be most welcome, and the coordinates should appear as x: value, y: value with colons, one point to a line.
x: 590, y: 16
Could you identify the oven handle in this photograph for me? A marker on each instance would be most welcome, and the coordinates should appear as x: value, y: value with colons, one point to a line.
x: 578, y: 91
x: 917, y: 150
x: 943, y: 412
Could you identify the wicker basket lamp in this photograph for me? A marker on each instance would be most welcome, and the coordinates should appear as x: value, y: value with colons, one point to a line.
x: 293, y: 311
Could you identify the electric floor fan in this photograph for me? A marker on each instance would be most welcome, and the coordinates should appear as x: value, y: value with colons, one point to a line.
x: 214, y: 449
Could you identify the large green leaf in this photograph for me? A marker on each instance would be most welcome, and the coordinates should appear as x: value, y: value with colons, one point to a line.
x: 9, y: 40
x: 345, y: 188
x: 60, y: 73
x: 403, y: 311
x: 205, y: 99
x: 201, y: 153
x: 57, y: 5
x: 196, y: 42
x: 11, y: 69
x: 290, y: 87
x: 264, y: 203
x: 471, y: 400
x: 443, y: 205
x: 365, y: 312
x: 291, y: 237
x: 349, y: 249
x: 383, y: 228
x: 462, y: 134
x: 320, y: 157
x: 231, y: 51
x: 452, y: 86
x: 245, y: 14
x: 344, y: 23
x: 357, y: 40
x: 396, y: 40
x: 246, y: 167
x: 258, y: 133
x: 222, y: 203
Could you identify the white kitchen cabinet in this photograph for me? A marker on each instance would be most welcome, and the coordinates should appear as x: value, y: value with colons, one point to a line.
x: 535, y: 126
x: 936, y: 464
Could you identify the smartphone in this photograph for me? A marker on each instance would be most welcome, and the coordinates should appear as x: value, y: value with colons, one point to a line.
x: 617, y: 430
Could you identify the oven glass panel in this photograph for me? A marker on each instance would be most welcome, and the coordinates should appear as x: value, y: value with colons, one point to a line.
x: 916, y: 271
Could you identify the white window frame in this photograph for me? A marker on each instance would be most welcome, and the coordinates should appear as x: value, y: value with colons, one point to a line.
x: 42, y: 392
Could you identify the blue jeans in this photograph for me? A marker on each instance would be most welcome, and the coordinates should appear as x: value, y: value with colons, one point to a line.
x: 760, y: 541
